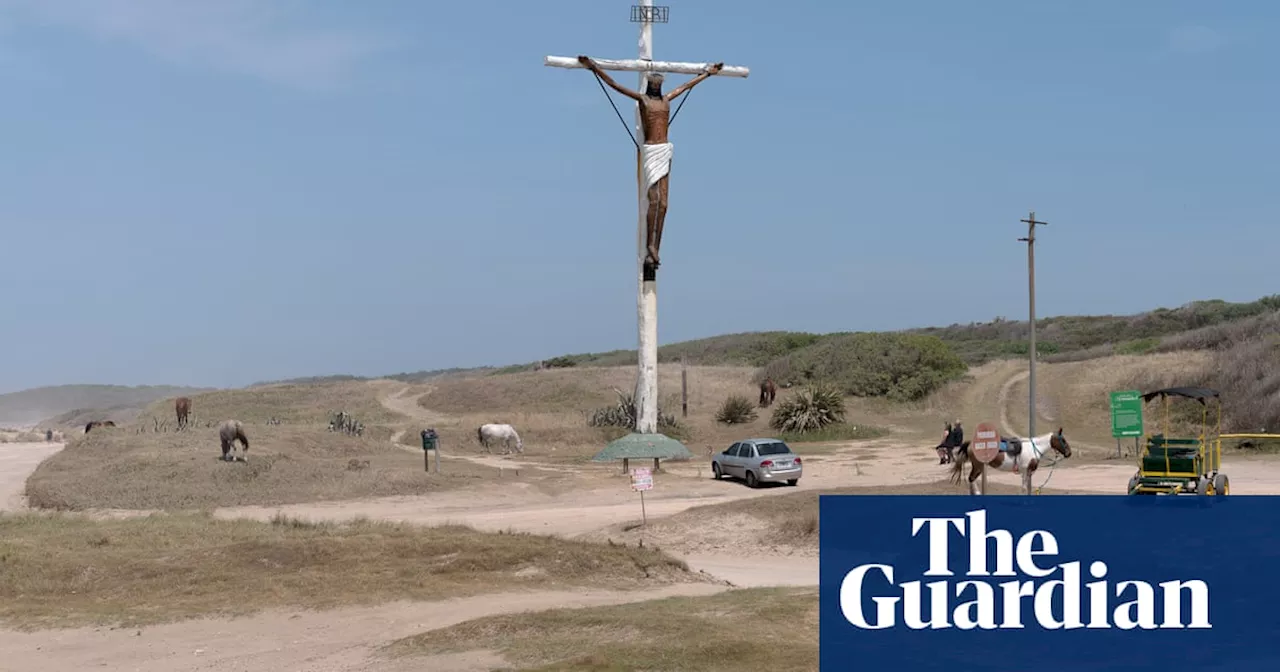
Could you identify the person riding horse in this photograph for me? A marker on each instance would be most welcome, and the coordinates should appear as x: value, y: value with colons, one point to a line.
x: 952, y: 438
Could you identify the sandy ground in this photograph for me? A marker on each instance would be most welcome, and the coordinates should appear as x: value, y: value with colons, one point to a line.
x: 17, y: 461
x: 346, y: 640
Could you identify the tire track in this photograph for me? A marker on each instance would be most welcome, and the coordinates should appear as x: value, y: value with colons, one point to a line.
x: 1003, y: 401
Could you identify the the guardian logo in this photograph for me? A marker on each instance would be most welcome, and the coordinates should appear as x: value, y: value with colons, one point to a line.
x: 981, y: 595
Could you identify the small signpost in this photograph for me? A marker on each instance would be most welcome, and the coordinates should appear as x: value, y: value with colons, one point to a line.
x: 641, y: 480
x: 985, y: 447
x: 430, y: 442
x: 1126, y: 417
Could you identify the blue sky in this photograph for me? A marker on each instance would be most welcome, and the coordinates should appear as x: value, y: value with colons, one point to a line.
x: 214, y: 193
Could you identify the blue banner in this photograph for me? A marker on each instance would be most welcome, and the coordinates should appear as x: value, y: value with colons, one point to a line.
x: 1012, y: 583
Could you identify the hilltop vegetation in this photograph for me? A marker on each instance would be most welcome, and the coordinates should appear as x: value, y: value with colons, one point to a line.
x: 1061, y: 338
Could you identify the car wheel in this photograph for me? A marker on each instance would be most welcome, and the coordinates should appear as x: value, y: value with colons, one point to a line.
x: 792, y: 481
x: 751, y: 479
x: 715, y: 471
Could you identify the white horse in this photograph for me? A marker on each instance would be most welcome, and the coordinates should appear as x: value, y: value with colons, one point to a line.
x: 491, y: 433
x: 1019, y: 456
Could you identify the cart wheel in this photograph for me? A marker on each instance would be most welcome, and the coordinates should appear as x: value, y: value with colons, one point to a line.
x: 1133, y: 483
x: 1204, y: 486
x: 1221, y: 485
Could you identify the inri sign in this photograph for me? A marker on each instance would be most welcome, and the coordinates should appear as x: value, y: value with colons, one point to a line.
x: 982, y: 595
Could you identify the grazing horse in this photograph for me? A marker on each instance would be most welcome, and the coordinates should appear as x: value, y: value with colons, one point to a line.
x: 1016, y: 455
x: 768, y: 391
x: 98, y: 423
x: 491, y: 433
x: 183, y: 408
x: 228, y: 432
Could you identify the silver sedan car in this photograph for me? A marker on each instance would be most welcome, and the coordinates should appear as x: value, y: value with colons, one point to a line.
x: 758, y: 461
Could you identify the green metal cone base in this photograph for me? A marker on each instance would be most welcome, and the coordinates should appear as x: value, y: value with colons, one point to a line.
x: 643, y: 446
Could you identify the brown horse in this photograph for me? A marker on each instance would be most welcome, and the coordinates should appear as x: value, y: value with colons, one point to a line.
x: 229, y: 432
x: 768, y: 391
x: 1020, y: 456
x: 183, y: 408
x: 98, y: 423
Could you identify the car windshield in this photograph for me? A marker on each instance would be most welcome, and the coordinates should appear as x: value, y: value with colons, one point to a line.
x: 774, y: 448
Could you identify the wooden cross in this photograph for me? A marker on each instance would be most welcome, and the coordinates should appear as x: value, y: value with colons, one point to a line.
x: 646, y: 397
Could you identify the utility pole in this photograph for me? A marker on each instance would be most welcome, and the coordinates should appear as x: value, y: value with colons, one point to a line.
x: 1030, y: 240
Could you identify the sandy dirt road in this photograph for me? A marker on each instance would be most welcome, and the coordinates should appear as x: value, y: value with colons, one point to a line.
x: 17, y: 461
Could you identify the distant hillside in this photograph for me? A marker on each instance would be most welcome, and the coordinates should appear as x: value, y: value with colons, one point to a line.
x: 36, y: 404
x: 77, y: 418
x: 1063, y: 338
x: 410, y: 377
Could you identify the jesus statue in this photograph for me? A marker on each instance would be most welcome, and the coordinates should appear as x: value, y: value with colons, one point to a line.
x: 655, y: 153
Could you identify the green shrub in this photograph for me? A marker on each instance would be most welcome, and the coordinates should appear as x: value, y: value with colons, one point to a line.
x: 736, y: 410
x: 811, y: 409
x: 899, y: 366
x: 1140, y: 346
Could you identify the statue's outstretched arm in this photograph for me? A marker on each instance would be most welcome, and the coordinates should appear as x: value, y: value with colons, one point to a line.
x: 590, y: 65
x: 675, y: 93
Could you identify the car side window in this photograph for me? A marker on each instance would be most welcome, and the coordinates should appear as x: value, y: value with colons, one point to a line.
x: 747, y: 450
x: 733, y: 450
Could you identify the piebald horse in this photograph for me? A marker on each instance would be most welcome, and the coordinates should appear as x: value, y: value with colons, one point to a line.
x: 1017, y: 455
x: 491, y: 433
x: 228, y: 433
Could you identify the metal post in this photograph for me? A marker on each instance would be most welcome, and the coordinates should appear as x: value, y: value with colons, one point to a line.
x: 1030, y: 240
x: 684, y: 390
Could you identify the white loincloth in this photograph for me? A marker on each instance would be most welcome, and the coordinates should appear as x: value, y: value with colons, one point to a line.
x: 656, y: 162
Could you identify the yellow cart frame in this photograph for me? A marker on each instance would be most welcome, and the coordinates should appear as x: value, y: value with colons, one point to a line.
x: 1174, y: 465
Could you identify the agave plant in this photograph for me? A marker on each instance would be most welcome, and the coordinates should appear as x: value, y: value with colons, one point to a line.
x: 736, y: 410
x: 623, y: 414
x: 811, y: 409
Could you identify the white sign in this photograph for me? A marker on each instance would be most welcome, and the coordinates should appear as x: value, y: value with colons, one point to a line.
x: 641, y: 479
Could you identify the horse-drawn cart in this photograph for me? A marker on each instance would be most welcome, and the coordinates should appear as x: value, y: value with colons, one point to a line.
x: 1174, y: 465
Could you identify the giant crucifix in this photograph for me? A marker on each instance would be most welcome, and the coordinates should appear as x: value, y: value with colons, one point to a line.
x: 653, y: 159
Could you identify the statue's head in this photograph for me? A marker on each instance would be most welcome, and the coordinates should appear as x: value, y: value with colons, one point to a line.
x: 654, y: 87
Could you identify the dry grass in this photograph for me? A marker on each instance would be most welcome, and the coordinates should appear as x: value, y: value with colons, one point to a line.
x: 292, y: 404
x: 840, y: 432
x: 673, y: 635
x: 116, y: 468
x: 1076, y: 395
x: 550, y: 408
x: 1072, y: 395
x: 65, y: 570
x: 581, y: 389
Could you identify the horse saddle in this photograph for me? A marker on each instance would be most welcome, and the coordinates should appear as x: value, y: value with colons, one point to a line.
x: 1011, y: 446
